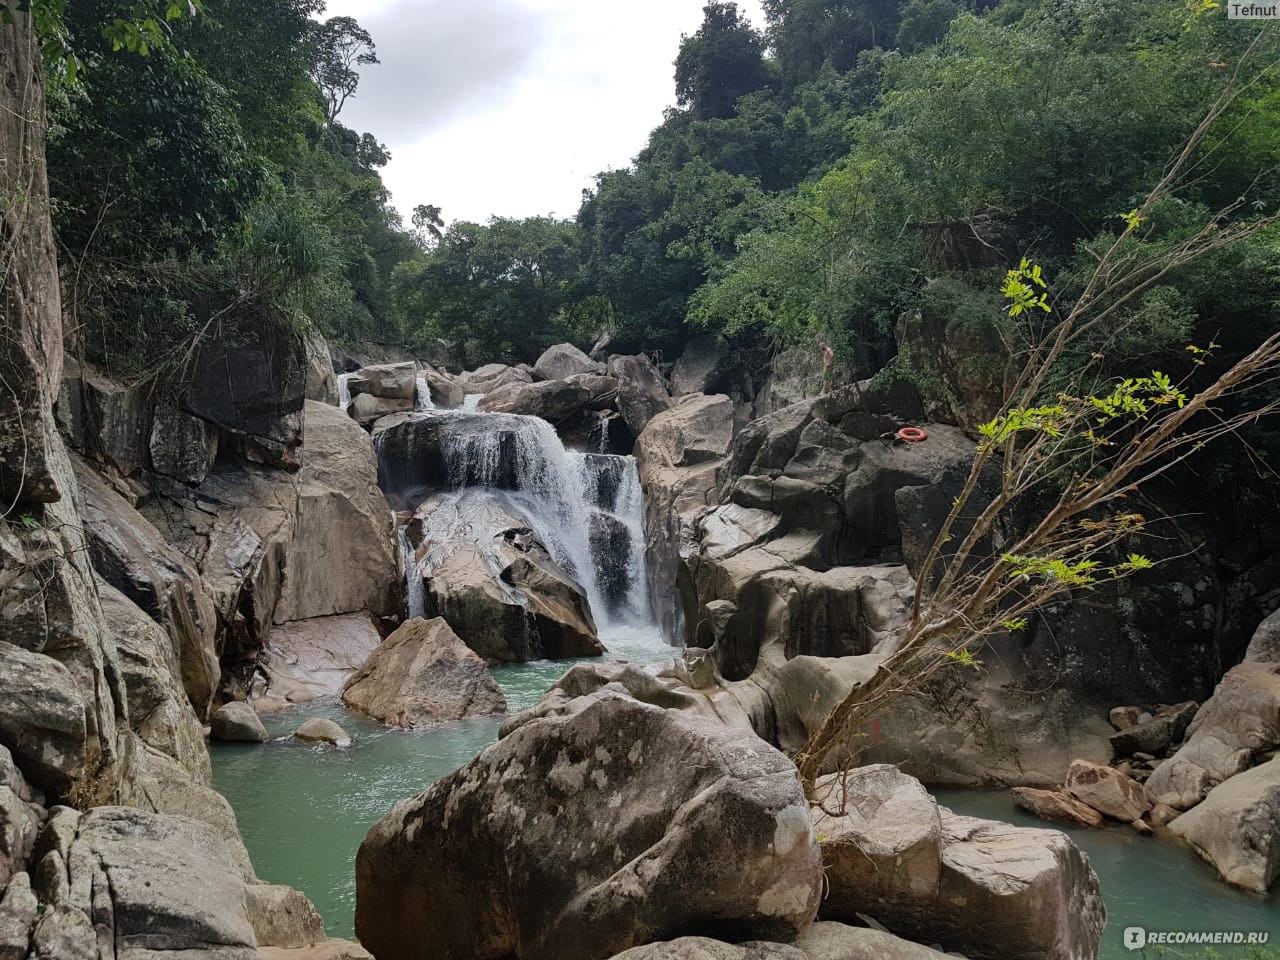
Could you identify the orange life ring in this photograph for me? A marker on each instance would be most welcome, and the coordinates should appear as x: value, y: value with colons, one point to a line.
x: 912, y: 435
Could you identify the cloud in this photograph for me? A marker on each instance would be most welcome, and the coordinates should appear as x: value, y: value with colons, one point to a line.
x: 440, y: 59
x: 511, y: 106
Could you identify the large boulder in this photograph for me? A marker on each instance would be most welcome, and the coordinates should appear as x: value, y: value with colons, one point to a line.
x: 562, y: 361
x: 22, y: 815
x: 107, y: 420
x: 1240, y: 721
x: 423, y: 674
x: 493, y: 376
x: 159, y: 711
x: 978, y: 887
x: 702, y: 948
x: 322, y: 380
x: 677, y: 454
x: 342, y: 557
x: 512, y: 857
x: 881, y: 845
x: 386, y: 381
x: 1107, y: 790
x: 182, y: 446
x: 236, y: 722
x: 149, y: 886
x: 42, y: 718
x: 1237, y: 828
x: 496, y: 584
x: 642, y: 391
x: 707, y: 365
x: 366, y: 409
x: 552, y: 400
x: 837, y: 941
x: 251, y: 382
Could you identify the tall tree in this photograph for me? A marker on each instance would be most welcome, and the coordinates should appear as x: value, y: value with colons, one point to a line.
x: 723, y: 61
x: 341, y: 46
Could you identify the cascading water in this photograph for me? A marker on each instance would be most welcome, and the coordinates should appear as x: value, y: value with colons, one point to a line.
x: 422, y: 398
x: 585, y: 508
x: 415, y: 591
x: 344, y: 391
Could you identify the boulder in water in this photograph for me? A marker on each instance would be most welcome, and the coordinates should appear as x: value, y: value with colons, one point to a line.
x: 1056, y: 806
x: 562, y: 361
x: 552, y: 400
x: 837, y: 941
x: 1107, y: 790
x: 367, y: 409
x: 236, y: 722
x: 320, y: 730
x: 306, y: 659
x: 493, y: 376
x: 982, y: 888
x: 581, y: 835
x: 423, y: 674
x: 1237, y: 828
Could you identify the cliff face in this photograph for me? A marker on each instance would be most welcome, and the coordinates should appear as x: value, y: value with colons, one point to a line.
x: 111, y: 839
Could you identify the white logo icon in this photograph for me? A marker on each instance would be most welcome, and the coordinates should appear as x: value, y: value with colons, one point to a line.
x: 1135, y: 938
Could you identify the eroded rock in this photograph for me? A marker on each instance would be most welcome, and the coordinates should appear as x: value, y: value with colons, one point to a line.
x: 1237, y: 828
x: 423, y: 673
x: 575, y: 883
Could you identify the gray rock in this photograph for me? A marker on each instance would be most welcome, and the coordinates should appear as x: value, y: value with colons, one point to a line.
x: 236, y: 722
x: 1236, y: 724
x: 423, y: 674
x: 181, y: 446
x: 324, y: 950
x: 642, y: 392
x: 445, y: 390
x: 552, y: 400
x: 512, y: 855
x: 494, y: 376
x: 1122, y: 718
x: 1107, y: 790
x: 312, y: 658
x: 22, y: 814
x: 321, y: 379
x: 42, y: 718
x: 701, y: 948
x: 562, y: 361
x: 838, y: 941
x: 366, y: 409
x: 64, y: 932
x: 978, y: 887
x: 1153, y: 736
x: 881, y: 840
x: 282, y: 916
x: 19, y: 910
x: 172, y: 887
x: 320, y: 730
x: 251, y: 382
x: 1237, y: 828
x: 386, y: 381
x: 707, y: 365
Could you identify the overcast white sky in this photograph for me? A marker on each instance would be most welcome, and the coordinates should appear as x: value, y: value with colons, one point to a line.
x: 511, y: 106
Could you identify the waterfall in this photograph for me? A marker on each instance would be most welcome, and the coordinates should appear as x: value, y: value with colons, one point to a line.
x: 612, y: 486
x: 415, y: 590
x: 423, y: 401
x: 471, y: 402
x: 344, y: 391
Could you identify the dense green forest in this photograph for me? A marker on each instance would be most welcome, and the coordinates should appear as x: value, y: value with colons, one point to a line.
x: 855, y: 160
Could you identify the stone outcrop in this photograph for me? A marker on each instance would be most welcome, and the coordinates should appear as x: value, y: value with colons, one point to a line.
x: 423, y: 674
x: 1240, y: 721
x: 678, y: 453
x: 441, y: 877
x: 320, y: 730
x: 496, y: 584
x: 1237, y: 828
x: 978, y: 887
x: 708, y: 365
x: 321, y: 378
x: 251, y: 383
x: 312, y: 658
x: 562, y: 361
x: 642, y: 391
x: 386, y: 381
